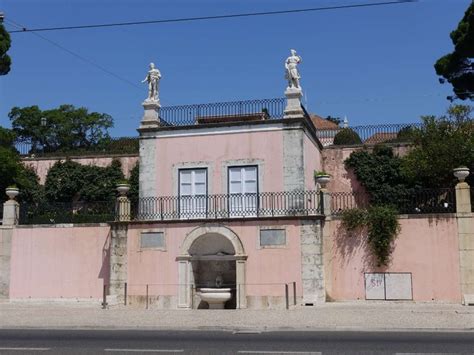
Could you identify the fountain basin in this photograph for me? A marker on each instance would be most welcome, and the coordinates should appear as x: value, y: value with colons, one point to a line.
x: 215, y: 297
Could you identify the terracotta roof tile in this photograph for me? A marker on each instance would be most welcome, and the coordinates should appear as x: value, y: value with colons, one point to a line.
x: 321, y: 123
x: 380, y: 137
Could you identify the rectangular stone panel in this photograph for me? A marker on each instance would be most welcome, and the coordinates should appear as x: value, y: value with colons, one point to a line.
x: 374, y: 286
x: 269, y: 237
x: 152, y: 240
x: 398, y: 286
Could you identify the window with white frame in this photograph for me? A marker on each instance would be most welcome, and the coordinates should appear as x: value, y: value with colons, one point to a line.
x: 192, y: 193
x: 243, y: 190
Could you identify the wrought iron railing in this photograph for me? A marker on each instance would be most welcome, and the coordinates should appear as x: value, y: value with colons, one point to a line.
x: 413, y: 202
x: 373, y: 134
x: 265, y: 204
x: 210, y: 113
x: 64, y: 212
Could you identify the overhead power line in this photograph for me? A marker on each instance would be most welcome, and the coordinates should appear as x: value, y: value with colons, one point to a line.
x: 78, y: 56
x: 217, y: 17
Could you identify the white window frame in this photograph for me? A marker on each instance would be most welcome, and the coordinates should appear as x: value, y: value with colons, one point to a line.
x: 244, y: 203
x: 192, y: 205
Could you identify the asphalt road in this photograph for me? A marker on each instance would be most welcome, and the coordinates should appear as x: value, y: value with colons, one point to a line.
x: 24, y: 341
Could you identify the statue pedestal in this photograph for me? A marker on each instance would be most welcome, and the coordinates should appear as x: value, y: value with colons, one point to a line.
x: 293, y: 103
x: 151, y: 117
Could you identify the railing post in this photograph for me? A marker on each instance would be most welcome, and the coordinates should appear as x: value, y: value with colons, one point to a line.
x: 125, y: 294
x: 161, y: 208
x: 272, y: 203
x: 294, y: 293
x: 287, y: 297
x: 146, y: 296
x: 104, y: 297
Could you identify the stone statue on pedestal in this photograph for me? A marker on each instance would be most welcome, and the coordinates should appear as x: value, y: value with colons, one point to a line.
x: 292, y: 74
x: 153, y: 79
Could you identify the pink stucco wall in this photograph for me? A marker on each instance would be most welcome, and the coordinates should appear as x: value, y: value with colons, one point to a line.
x: 266, y: 269
x: 216, y: 151
x: 59, y: 262
x: 312, y: 162
x: 42, y: 165
x: 426, y: 247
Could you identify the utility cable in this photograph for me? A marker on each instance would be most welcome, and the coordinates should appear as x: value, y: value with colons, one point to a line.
x: 78, y: 56
x: 217, y: 17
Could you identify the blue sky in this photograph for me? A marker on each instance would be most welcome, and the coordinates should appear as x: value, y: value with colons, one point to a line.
x: 374, y: 65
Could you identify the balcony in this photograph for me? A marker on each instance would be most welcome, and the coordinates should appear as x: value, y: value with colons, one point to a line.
x: 224, y: 206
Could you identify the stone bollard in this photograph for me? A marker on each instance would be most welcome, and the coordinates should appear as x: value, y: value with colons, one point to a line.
x: 11, y: 208
x: 123, y: 209
x: 465, y: 221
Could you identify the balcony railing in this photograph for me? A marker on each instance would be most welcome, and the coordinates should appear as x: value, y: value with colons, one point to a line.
x: 266, y: 204
x: 441, y: 200
x: 216, y: 112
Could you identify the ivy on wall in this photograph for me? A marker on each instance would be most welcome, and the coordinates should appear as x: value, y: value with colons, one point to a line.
x: 382, y: 226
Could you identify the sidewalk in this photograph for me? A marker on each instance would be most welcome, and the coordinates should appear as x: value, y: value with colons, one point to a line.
x: 361, y: 316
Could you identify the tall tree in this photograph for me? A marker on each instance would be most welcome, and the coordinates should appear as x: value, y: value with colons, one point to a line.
x: 61, y: 129
x: 440, y: 145
x: 5, y: 42
x: 458, y: 67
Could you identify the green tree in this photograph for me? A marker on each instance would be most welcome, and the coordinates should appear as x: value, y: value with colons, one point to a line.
x: 62, y: 129
x: 5, y: 61
x: 7, y: 137
x: 70, y: 181
x: 440, y: 145
x: 347, y: 136
x: 458, y: 67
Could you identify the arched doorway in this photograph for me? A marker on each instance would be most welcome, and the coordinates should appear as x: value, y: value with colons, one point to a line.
x: 206, y: 253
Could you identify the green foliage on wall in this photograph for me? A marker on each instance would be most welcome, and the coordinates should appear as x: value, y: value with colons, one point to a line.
x: 347, y: 136
x: 381, y: 174
x: 70, y: 181
x: 381, y: 223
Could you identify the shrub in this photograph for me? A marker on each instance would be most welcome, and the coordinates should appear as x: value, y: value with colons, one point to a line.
x: 347, y: 136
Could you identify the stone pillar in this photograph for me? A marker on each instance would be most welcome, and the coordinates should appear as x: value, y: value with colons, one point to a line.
x: 241, y: 295
x: 326, y: 201
x: 465, y: 221
x: 11, y: 208
x: 123, y: 209
x: 312, y: 275
x: 293, y: 103
x: 151, y: 116
x: 6, y: 233
x: 184, y: 278
x: 118, y: 260
x: 293, y: 159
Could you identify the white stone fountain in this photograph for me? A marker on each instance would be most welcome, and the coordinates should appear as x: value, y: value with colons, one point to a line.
x: 215, y: 297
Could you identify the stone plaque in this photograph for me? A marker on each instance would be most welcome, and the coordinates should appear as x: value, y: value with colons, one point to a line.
x: 269, y: 237
x: 155, y: 240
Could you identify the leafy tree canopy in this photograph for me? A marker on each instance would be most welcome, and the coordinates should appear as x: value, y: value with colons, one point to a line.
x: 5, y: 42
x: 458, y: 67
x: 7, y: 137
x: 441, y: 144
x: 347, y: 136
x: 61, y: 129
x: 70, y: 181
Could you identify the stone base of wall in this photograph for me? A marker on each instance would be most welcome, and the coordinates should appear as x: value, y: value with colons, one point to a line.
x: 154, y: 302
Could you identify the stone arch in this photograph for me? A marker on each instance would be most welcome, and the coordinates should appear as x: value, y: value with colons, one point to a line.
x: 228, y: 233
x: 185, y: 277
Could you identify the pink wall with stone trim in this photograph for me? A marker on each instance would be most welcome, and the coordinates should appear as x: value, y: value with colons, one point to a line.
x: 264, y: 267
x: 59, y: 262
x: 312, y: 162
x: 426, y: 247
x: 42, y: 165
x: 217, y: 150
